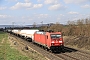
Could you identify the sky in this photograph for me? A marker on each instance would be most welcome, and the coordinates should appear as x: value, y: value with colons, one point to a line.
x: 28, y: 12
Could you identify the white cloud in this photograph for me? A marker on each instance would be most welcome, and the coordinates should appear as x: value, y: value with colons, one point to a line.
x: 21, y: 5
x: 37, y: 5
x: 2, y: 8
x: 61, y: 15
x: 27, y: 1
x: 39, y: 0
x: 86, y: 6
x: 75, y: 1
x: 12, y: 0
x: 73, y: 12
x: 56, y: 7
x: 36, y: 16
x: 42, y: 15
x: 51, y: 1
x: 28, y: 5
x: 4, y: 16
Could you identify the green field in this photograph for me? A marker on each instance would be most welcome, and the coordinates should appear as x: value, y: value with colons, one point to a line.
x: 8, y: 53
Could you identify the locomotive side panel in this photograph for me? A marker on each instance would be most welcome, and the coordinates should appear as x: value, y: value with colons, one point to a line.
x: 40, y: 39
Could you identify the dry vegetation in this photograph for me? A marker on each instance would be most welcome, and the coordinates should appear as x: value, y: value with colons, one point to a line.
x: 77, y: 31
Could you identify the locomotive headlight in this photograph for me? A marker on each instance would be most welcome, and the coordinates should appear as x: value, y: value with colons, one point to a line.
x: 52, y: 42
x: 60, y: 41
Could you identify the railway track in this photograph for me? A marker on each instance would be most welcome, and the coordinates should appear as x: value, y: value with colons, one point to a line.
x: 79, y: 54
x: 70, y: 54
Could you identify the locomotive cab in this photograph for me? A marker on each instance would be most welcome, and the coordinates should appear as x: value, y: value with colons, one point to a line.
x: 55, y: 41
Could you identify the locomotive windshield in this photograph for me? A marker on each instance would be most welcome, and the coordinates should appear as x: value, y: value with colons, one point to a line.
x: 55, y: 36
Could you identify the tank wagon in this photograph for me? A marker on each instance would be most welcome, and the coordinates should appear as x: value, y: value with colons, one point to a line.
x: 15, y: 31
x: 28, y: 34
x: 49, y: 40
x: 25, y: 33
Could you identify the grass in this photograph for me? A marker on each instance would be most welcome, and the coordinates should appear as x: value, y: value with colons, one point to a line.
x: 2, y: 34
x: 8, y: 53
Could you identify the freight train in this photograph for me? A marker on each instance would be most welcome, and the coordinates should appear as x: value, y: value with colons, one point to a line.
x: 49, y: 40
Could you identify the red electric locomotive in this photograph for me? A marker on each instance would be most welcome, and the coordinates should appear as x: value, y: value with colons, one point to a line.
x: 50, y: 40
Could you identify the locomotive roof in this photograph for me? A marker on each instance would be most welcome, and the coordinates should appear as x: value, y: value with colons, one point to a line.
x: 42, y: 32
